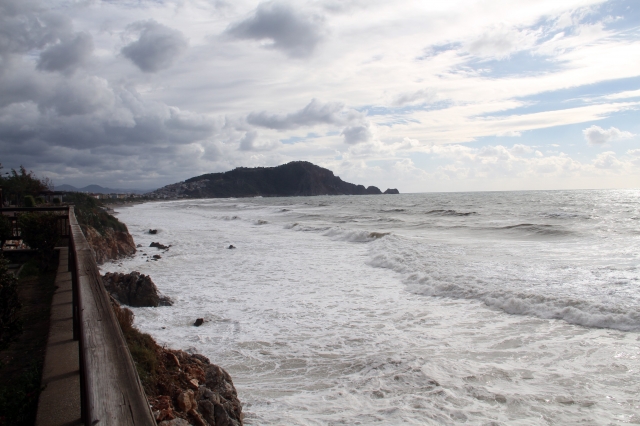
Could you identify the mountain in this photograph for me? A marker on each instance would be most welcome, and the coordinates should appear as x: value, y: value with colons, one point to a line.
x: 298, y: 178
x: 97, y: 189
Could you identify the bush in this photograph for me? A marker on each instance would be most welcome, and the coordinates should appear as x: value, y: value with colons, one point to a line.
x: 6, y: 229
x: 40, y: 232
x: 56, y: 201
x: 89, y: 211
x: 10, y: 325
x: 29, y: 201
x: 40, y: 199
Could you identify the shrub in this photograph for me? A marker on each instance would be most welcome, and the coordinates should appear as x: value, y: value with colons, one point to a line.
x: 6, y: 229
x: 40, y: 232
x: 10, y: 324
x: 29, y: 201
x: 40, y: 199
x: 56, y: 201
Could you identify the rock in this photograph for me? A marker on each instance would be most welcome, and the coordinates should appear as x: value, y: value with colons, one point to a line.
x: 160, y: 246
x: 187, y: 401
x: 199, y: 322
x: 165, y: 301
x: 111, y: 245
x: 133, y: 289
x: 163, y: 409
x: 391, y: 191
x: 153, y: 231
x: 231, y: 247
x: 157, y: 256
x: 138, y: 245
x: 196, y: 418
x: 175, y: 422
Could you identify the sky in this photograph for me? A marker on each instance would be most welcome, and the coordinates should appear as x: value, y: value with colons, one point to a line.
x: 462, y: 95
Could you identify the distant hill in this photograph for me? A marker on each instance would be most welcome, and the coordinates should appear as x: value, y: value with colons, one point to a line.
x: 97, y: 189
x: 298, y: 178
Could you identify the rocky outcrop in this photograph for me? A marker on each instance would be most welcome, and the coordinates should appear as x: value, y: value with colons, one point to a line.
x: 391, y: 191
x: 182, y: 389
x: 110, y: 245
x: 134, y: 289
x: 298, y: 178
x: 196, y: 391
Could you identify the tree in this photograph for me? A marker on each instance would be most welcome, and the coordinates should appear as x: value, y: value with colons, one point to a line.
x: 20, y: 183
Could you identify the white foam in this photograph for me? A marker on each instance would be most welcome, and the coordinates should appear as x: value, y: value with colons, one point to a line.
x: 318, y: 328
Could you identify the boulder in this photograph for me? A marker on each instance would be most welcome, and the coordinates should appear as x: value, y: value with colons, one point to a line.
x: 153, y: 231
x: 231, y: 247
x: 134, y: 289
x: 199, y: 322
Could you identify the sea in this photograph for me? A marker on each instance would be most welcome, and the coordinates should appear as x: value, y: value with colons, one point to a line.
x: 480, y: 308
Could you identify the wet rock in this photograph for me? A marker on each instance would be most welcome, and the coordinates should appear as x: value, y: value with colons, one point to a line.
x: 160, y: 246
x: 153, y: 231
x: 157, y: 256
x: 199, y: 322
x: 231, y: 247
x: 133, y: 289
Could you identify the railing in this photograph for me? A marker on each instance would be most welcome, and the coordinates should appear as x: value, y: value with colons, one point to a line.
x: 111, y: 392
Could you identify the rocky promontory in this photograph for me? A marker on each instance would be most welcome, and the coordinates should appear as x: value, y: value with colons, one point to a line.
x: 297, y: 178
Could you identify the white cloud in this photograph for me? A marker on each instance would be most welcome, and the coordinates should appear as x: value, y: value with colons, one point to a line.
x: 596, y: 135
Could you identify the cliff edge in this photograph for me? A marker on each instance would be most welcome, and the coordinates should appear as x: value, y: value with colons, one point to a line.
x: 108, y: 238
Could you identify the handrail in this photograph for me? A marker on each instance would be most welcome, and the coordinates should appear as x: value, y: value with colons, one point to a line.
x: 111, y: 390
x: 34, y: 209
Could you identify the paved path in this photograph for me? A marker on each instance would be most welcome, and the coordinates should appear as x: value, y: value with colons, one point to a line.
x: 59, y: 402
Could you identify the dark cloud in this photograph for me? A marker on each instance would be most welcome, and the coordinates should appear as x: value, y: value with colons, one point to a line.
x: 80, y: 96
x: 290, y: 31
x: 67, y: 55
x: 157, y: 48
x: 25, y: 26
x: 314, y: 113
x: 356, y: 134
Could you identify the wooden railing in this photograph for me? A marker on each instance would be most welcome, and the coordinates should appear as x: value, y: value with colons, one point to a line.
x: 111, y: 392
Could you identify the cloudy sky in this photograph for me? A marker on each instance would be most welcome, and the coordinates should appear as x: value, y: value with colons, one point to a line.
x: 419, y: 95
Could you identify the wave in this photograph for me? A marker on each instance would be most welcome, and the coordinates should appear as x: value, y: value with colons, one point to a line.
x: 540, y: 229
x: 354, y: 236
x: 442, y: 212
x: 393, y: 210
x: 441, y: 275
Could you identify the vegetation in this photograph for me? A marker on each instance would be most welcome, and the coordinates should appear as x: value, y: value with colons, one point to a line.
x: 10, y: 324
x: 29, y: 201
x: 25, y: 304
x: 89, y: 211
x: 21, y: 183
x: 6, y: 229
x: 144, y: 350
x: 41, y: 232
